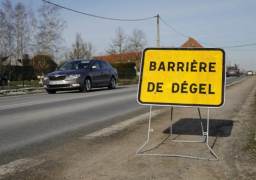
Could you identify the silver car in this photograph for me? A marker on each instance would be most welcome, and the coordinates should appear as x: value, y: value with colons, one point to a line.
x: 249, y: 73
x: 82, y: 75
x: 233, y: 71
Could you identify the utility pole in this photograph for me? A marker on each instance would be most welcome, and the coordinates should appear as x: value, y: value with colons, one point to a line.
x: 158, y: 38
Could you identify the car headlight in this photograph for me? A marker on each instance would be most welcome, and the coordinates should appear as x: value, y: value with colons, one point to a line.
x: 72, y: 76
x: 46, y: 78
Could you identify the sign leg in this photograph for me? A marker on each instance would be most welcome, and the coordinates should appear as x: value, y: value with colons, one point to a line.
x: 149, y: 130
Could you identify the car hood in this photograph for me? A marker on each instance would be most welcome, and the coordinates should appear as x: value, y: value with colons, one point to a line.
x: 65, y: 72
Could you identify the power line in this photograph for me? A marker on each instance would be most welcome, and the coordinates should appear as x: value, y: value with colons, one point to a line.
x: 237, y: 46
x: 241, y: 45
x: 241, y: 50
x: 96, y: 16
x: 174, y: 29
x: 181, y: 33
x: 142, y: 19
x: 235, y: 41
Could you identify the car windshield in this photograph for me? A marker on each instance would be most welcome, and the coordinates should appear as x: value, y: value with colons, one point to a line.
x: 231, y: 68
x: 72, y: 65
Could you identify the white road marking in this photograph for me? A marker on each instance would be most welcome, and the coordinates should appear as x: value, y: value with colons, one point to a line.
x: 120, y: 126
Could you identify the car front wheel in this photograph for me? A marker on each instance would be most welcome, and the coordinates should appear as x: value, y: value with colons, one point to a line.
x: 87, y: 85
x: 112, y: 84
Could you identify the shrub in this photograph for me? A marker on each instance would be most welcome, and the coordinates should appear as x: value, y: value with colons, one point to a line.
x: 125, y: 70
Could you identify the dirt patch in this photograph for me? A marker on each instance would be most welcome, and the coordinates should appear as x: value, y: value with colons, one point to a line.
x: 114, y: 156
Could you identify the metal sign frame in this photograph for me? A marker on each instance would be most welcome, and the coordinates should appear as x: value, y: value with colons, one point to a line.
x: 206, y: 134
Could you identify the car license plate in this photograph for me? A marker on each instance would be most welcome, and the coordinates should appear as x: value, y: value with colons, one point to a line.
x: 55, y: 82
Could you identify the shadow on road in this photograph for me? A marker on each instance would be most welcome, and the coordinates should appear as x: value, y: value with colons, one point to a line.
x: 190, y: 126
x: 92, y: 90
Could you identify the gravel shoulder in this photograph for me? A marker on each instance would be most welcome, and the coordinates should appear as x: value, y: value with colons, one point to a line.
x: 111, y: 153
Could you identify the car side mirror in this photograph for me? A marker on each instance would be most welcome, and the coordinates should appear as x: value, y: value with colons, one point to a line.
x: 94, y: 67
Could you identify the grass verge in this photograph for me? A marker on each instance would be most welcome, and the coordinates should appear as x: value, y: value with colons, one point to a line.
x: 251, y: 139
x: 20, y: 84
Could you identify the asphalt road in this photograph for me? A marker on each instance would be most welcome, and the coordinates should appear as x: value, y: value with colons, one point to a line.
x: 233, y: 79
x: 32, y: 123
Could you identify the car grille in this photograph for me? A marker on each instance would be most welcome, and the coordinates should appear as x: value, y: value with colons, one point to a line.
x: 59, y: 86
x: 53, y: 78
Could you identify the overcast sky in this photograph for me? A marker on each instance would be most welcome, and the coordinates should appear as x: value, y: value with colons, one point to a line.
x: 227, y: 24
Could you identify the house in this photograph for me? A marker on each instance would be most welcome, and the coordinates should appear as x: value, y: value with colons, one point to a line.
x: 191, y: 43
x: 118, y: 58
x: 3, y: 60
x: 25, y: 61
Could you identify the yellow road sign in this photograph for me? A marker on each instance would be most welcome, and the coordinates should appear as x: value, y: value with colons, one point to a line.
x: 182, y: 77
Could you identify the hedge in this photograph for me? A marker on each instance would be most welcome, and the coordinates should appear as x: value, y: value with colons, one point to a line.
x: 14, y: 73
x: 125, y: 70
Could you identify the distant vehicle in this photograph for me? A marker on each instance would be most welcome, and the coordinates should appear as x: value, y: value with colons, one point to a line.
x: 249, y: 73
x: 82, y: 75
x: 233, y: 71
x: 3, y: 80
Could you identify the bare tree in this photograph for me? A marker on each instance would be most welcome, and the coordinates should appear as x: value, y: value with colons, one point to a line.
x: 32, y: 21
x: 3, y: 51
x: 81, y: 49
x: 2, y: 33
x: 62, y: 62
x: 90, y: 49
x: 119, y: 43
x: 21, y: 30
x: 50, y: 28
x: 137, y: 41
x: 78, y: 51
x: 9, y: 34
x: 9, y: 28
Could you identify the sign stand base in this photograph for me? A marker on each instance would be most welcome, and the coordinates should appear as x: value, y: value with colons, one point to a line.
x: 206, y: 140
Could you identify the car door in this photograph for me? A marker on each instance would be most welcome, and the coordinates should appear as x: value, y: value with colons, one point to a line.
x: 95, y: 73
x: 105, y: 73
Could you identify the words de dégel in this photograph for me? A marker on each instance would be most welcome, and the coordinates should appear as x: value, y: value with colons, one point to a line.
x: 183, y: 87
